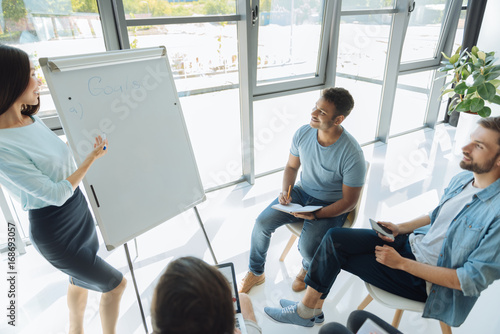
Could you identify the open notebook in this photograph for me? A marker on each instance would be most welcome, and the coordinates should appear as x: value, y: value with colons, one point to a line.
x: 227, y: 269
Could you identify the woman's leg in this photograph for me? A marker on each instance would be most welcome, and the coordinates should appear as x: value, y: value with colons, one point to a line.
x: 109, y: 308
x: 77, y: 301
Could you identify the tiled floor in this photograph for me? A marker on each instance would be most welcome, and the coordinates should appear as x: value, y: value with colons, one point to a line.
x: 406, y: 178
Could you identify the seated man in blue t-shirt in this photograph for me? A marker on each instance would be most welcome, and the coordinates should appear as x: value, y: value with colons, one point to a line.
x: 333, y: 172
x: 445, y: 259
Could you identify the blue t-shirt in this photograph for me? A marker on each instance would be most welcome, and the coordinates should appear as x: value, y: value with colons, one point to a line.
x: 326, y: 169
x: 34, y: 165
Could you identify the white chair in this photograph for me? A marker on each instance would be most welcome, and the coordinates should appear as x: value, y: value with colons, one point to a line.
x: 296, y: 228
x: 396, y: 302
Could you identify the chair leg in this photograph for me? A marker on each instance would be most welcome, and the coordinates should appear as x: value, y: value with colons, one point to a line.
x: 445, y: 328
x: 365, y: 302
x: 397, y: 318
x: 288, y: 247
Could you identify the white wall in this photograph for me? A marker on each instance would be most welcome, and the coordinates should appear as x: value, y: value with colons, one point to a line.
x: 488, y: 37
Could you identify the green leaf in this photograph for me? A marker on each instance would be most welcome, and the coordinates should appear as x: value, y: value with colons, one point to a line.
x: 471, y: 90
x: 495, y: 83
x: 445, y: 56
x: 476, y: 104
x: 474, y: 50
x: 481, y: 55
x: 485, y: 112
x: 452, y: 106
x: 474, y: 59
x: 491, y: 76
x: 463, y: 106
x: 492, y: 69
x: 496, y: 99
x: 465, y: 73
x: 487, y: 91
x: 454, y: 58
x: 446, y: 91
x: 478, y: 80
x: 446, y: 68
x: 461, y: 88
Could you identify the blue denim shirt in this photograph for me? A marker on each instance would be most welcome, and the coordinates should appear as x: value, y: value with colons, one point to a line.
x: 471, y: 246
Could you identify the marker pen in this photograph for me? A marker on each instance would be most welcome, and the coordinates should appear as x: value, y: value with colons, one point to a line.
x: 103, y: 139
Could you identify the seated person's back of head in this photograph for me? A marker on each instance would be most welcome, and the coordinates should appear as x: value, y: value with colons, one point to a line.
x: 192, y: 297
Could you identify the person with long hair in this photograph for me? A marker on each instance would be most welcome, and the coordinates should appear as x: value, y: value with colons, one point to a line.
x: 37, y: 169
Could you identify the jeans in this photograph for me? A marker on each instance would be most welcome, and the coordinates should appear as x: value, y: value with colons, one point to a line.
x: 270, y: 219
x: 354, y: 251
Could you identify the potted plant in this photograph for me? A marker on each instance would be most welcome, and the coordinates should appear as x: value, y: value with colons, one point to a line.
x: 474, y: 81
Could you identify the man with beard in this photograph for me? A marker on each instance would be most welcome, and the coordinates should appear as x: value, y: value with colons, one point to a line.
x: 445, y: 259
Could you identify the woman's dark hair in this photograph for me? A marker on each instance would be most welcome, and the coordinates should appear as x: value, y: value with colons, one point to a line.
x: 192, y: 297
x: 14, y: 78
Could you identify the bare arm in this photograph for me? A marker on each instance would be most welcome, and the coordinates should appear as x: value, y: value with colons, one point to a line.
x: 350, y: 196
x: 289, y: 177
x: 98, y: 152
x: 348, y: 201
x: 438, y: 275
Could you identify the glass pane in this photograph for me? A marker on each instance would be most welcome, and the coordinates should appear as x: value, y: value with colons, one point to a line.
x: 213, y: 122
x: 423, y: 30
x: 459, y: 36
x: 363, y: 43
x: 289, y: 40
x: 275, y: 122
x: 367, y: 4
x: 363, y: 119
x: 49, y: 29
x: 410, y: 104
x: 201, y: 55
x: 154, y: 8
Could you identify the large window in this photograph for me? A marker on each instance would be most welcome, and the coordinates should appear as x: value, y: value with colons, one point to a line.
x: 289, y: 40
x: 176, y: 8
x: 213, y: 124
x: 410, y: 104
x: 275, y: 122
x: 201, y: 55
x: 424, y: 30
x: 45, y: 28
x: 363, y: 43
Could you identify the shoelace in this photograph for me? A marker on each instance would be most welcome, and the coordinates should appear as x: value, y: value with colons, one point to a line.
x: 289, y: 309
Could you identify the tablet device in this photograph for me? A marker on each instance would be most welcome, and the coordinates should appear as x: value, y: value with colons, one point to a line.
x: 381, y: 229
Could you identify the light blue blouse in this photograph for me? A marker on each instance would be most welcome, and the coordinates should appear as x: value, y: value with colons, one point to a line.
x: 34, y: 165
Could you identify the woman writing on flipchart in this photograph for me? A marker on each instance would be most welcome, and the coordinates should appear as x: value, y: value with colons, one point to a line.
x: 36, y: 167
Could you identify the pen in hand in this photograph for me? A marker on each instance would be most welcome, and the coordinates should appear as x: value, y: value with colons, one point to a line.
x: 289, y: 189
x: 104, y: 139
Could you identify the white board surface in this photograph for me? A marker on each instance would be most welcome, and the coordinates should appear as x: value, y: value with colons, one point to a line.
x: 149, y: 174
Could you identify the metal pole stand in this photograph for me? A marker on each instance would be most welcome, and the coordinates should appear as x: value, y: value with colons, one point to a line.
x: 205, y: 233
x: 135, y: 286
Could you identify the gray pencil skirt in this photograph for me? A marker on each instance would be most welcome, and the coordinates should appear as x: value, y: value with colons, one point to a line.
x: 67, y: 238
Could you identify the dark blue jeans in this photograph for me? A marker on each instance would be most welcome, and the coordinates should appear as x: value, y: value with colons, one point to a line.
x: 353, y: 250
x: 312, y: 232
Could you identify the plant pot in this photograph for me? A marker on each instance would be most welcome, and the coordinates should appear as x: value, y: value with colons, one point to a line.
x: 467, y: 123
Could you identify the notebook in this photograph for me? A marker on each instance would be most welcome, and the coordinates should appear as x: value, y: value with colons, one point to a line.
x: 227, y: 269
x: 294, y: 207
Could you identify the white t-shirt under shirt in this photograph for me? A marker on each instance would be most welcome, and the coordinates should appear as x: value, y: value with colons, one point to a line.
x: 427, y: 247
